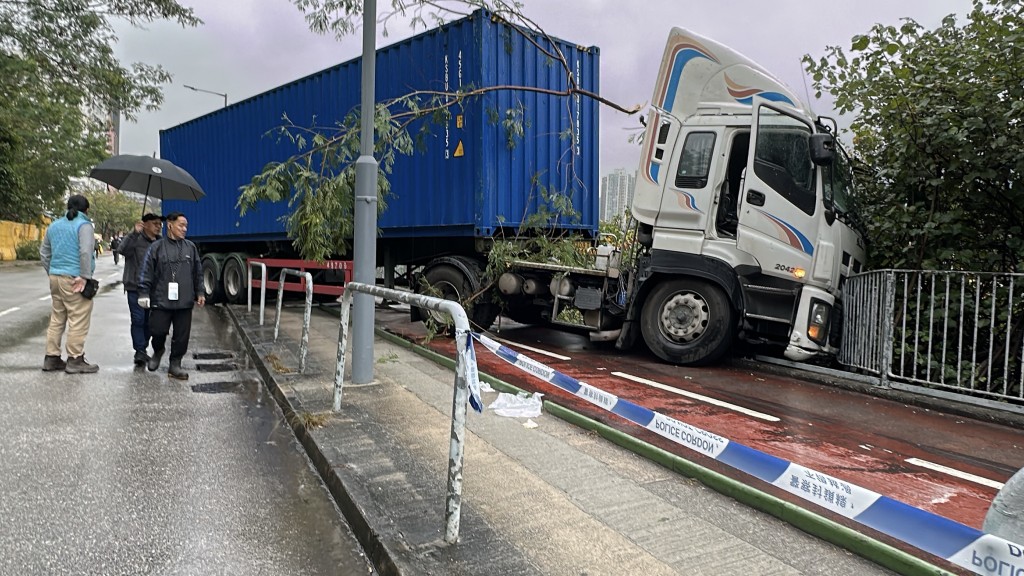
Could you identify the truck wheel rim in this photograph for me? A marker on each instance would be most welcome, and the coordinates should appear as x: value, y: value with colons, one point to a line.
x: 445, y: 290
x: 684, y: 317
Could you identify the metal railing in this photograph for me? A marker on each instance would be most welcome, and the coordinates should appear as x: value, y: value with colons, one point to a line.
x: 956, y: 331
x: 263, y: 287
x: 304, y: 347
x: 465, y: 365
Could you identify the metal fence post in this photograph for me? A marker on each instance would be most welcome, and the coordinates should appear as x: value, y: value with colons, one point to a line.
x: 888, y: 309
x: 263, y: 288
x: 460, y: 398
x: 339, y: 369
x: 306, y: 317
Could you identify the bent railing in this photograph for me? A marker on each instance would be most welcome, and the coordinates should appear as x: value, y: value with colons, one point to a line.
x: 453, y: 500
x: 304, y: 347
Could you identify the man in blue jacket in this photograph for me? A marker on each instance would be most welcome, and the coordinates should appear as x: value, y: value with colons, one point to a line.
x: 170, y: 283
x: 68, y: 256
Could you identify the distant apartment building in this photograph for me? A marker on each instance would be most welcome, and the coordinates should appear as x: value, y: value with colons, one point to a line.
x: 616, y: 194
x: 114, y: 133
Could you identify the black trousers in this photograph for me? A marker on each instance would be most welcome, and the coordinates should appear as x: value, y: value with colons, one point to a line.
x: 160, y: 322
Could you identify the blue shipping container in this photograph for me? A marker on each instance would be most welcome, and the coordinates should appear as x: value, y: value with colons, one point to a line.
x: 467, y: 182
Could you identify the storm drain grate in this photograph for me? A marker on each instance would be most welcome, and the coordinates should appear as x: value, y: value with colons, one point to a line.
x: 215, y: 387
x: 213, y: 355
x: 228, y: 367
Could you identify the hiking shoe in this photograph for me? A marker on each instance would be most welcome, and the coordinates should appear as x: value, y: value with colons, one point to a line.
x: 53, y: 363
x: 78, y: 365
x: 141, y: 358
x: 176, y: 371
x: 154, y: 362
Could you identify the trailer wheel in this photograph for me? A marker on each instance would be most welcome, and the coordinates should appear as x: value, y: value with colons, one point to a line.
x: 211, y: 280
x: 235, y: 278
x: 688, y: 322
x: 448, y: 282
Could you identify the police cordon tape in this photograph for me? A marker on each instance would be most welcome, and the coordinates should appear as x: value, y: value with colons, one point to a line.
x: 955, y: 542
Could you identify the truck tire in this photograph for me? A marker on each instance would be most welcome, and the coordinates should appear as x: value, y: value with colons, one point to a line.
x: 211, y: 280
x: 688, y: 322
x: 235, y: 278
x: 448, y: 282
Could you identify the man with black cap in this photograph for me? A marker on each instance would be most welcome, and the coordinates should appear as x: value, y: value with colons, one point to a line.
x: 68, y: 258
x: 133, y: 247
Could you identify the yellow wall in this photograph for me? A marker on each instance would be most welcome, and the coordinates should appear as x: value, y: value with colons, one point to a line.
x: 13, y: 233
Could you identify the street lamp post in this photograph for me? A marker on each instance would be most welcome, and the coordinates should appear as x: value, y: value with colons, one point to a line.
x: 194, y: 89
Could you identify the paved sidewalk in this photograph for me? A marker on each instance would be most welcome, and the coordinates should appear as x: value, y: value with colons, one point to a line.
x: 553, y: 500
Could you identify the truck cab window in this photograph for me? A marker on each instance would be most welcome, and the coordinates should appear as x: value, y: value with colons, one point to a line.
x: 782, y: 159
x: 695, y: 161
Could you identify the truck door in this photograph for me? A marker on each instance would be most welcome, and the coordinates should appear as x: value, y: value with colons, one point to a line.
x: 779, y: 205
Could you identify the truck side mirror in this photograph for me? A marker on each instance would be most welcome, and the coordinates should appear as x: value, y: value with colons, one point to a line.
x: 823, y: 149
x: 830, y: 210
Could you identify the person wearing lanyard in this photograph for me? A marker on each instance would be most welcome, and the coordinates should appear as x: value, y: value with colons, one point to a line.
x: 170, y: 284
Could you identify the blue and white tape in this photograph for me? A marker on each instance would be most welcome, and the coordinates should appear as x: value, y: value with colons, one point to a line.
x: 960, y: 544
x: 468, y: 364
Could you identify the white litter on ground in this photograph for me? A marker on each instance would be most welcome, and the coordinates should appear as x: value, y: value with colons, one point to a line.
x: 521, y: 406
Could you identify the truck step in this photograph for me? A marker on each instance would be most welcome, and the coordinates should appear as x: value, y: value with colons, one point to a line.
x: 785, y: 321
x: 769, y: 289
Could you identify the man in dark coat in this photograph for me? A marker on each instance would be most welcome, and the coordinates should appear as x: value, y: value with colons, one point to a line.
x: 133, y: 247
x: 170, y: 284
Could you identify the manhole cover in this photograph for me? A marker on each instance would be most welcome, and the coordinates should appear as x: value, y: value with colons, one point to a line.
x: 212, y: 355
x: 230, y: 367
x: 215, y: 387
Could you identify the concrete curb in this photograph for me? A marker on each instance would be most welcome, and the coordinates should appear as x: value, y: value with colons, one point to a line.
x: 814, y: 524
x: 372, y: 542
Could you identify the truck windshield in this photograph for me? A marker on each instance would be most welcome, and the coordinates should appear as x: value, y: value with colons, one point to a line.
x: 782, y: 158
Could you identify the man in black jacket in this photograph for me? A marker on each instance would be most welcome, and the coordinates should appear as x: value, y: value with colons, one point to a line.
x: 133, y: 247
x: 170, y: 283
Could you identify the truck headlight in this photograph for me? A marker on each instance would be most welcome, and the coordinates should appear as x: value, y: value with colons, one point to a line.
x: 817, y: 323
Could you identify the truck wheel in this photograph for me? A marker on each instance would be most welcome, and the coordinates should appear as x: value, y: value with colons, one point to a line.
x: 235, y: 278
x: 211, y: 280
x: 688, y: 322
x: 450, y: 283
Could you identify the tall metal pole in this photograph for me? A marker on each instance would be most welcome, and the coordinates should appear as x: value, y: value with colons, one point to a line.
x: 365, y: 241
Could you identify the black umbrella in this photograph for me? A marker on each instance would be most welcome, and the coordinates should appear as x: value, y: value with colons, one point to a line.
x: 150, y: 176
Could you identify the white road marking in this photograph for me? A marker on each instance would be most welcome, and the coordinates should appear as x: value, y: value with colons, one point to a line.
x: 9, y: 310
x: 47, y: 297
x: 955, y: 472
x: 696, y: 396
x: 537, y: 350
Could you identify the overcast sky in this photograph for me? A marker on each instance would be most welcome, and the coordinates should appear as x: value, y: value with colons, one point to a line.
x: 249, y: 46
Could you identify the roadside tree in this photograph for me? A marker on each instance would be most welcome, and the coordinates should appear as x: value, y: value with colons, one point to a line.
x: 938, y: 121
x: 59, y: 79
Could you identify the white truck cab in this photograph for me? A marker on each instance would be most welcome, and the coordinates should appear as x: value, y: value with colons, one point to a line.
x: 744, y: 223
x: 740, y: 190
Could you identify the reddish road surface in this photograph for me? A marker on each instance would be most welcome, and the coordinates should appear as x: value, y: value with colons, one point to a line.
x: 884, y: 446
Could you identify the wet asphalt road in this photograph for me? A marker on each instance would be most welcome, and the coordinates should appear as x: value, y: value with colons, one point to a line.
x: 128, y: 472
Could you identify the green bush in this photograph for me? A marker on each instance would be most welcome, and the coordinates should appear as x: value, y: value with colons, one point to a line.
x: 27, y: 250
